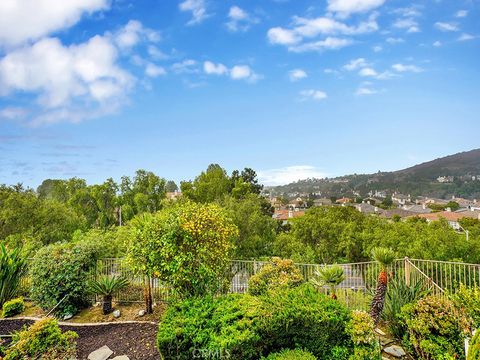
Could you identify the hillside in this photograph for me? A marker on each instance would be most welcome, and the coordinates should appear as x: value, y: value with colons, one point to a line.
x: 417, y: 180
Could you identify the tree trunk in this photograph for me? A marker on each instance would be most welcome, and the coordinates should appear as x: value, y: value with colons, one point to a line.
x: 379, y: 299
x: 148, y: 296
x: 107, y: 304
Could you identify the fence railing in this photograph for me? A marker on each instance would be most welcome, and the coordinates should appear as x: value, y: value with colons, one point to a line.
x: 355, y: 291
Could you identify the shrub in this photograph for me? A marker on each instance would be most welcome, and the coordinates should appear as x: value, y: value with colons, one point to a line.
x: 303, y: 318
x: 474, y: 347
x: 435, y: 329
x: 291, y: 355
x: 43, y: 340
x: 60, y: 271
x: 106, y: 286
x: 398, y: 295
x: 277, y: 273
x: 247, y: 327
x: 331, y: 276
x: 13, y: 307
x: 468, y: 302
x: 361, y: 330
x: 12, y: 268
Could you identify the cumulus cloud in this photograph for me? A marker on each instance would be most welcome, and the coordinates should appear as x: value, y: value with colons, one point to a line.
x: 461, y: 13
x: 362, y: 91
x: 133, y: 33
x: 27, y: 20
x: 187, y: 66
x: 312, y: 94
x: 297, y: 74
x: 406, y: 68
x: 393, y: 41
x: 288, y: 174
x: 465, y: 37
x: 153, y: 70
x: 237, y: 72
x: 355, y: 64
x: 346, y: 7
x: 299, y: 37
x: 367, y: 72
x: 239, y: 19
x: 437, y: 43
x: 444, y: 26
x: 409, y: 24
x: 197, y: 8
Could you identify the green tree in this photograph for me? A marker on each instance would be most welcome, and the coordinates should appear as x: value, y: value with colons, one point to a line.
x: 212, y: 184
x: 171, y: 186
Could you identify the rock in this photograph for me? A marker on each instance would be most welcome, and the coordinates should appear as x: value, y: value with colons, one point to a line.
x: 116, y: 313
x: 379, y: 332
x: 67, y: 316
x: 385, y: 341
x: 395, y: 350
x: 121, y: 357
x: 142, y: 313
x: 100, y: 354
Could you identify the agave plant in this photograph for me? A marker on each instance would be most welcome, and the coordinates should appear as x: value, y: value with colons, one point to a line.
x: 12, y: 268
x: 106, y: 286
x: 331, y: 276
x: 385, y: 258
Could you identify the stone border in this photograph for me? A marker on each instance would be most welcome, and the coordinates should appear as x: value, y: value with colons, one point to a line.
x: 64, y: 323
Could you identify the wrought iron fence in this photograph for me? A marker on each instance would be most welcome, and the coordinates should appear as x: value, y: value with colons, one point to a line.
x: 355, y: 291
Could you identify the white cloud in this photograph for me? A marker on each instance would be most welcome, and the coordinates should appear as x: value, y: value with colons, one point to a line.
x: 239, y: 19
x: 297, y: 74
x: 198, y: 9
x: 347, y: 7
x: 444, y: 26
x: 239, y: 72
x: 216, y: 69
x: 406, y: 68
x: 330, y: 43
x: 187, y: 66
x: 299, y: 37
x: 393, y: 41
x: 461, y: 13
x: 437, y: 43
x: 153, y: 70
x: 377, y: 48
x: 12, y: 113
x: 288, y: 174
x: 411, y: 11
x: 465, y: 37
x: 367, y: 72
x: 311, y: 94
x: 361, y: 91
x: 156, y: 53
x: 133, y: 33
x: 355, y: 64
x: 24, y: 20
x: 410, y: 24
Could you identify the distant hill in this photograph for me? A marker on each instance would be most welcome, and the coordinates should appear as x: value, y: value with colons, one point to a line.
x: 458, y: 170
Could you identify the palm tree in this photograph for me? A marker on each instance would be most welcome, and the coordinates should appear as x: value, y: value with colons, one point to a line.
x: 331, y: 276
x: 107, y: 286
x: 385, y: 258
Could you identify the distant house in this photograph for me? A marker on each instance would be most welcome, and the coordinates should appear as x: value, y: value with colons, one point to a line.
x: 366, y: 208
x: 417, y: 208
x: 297, y: 204
x: 382, y: 194
x: 445, y: 179
x: 322, y: 202
x: 453, y: 218
x: 391, y: 213
x: 400, y: 198
x: 286, y: 215
x: 344, y: 200
x: 174, y: 195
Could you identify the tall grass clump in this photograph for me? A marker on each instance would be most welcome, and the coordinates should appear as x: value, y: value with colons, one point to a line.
x: 12, y: 268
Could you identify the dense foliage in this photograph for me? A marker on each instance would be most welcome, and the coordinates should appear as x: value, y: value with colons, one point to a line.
x: 467, y: 300
x: 435, y: 329
x: 13, y: 307
x: 42, y: 340
x: 247, y: 327
x: 474, y: 347
x: 59, y: 272
x: 277, y: 273
x: 12, y: 268
x: 188, y: 244
x: 291, y: 355
x: 361, y: 330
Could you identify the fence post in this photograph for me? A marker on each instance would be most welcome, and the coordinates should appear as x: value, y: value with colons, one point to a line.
x: 254, y: 267
x: 406, y: 263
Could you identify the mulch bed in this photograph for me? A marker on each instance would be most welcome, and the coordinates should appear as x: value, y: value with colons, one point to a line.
x: 136, y: 340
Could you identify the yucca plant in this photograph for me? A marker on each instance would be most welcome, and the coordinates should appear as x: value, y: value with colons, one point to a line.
x: 331, y: 276
x: 12, y: 268
x: 385, y: 258
x: 106, y: 286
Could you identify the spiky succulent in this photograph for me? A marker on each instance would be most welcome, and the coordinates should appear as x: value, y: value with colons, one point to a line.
x: 331, y: 276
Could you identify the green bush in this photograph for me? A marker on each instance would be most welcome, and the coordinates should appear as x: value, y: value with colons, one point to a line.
x: 435, y: 329
x: 12, y: 268
x: 60, y: 271
x: 468, y: 302
x: 277, y: 273
x: 247, y: 327
x: 361, y: 330
x: 43, y: 340
x: 400, y: 294
x: 291, y: 355
x: 13, y: 307
x: 474, y: 347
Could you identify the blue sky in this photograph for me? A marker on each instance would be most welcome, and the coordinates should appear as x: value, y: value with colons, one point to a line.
x: 293, y: 89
